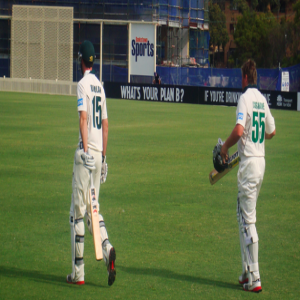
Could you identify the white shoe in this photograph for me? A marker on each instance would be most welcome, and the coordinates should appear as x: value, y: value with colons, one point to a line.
x: 255, y: 287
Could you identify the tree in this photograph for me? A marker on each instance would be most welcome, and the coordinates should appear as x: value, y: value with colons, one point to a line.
x: 277, y: 39
x: 217, y: 28
x: 251, y: 37
x: 264, y: 39
x: 293, y: 36
x: 244, y: 5
x: 258, y: 5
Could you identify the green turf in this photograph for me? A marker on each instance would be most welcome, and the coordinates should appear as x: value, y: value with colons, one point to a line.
x: 176, y: 236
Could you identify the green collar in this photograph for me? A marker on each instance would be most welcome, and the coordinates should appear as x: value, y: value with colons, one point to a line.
x: 249, y: 86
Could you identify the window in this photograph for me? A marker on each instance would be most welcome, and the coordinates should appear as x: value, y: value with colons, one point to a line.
x: 233, y: 6
x: 232, y: 28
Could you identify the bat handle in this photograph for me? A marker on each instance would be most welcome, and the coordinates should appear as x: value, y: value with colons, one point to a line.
x: 91, y: 175
x: 91, y: 179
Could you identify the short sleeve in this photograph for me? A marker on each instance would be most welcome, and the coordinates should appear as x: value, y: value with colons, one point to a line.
x: 241, y: 112
x: 104, y: 109
x: 81, y: 98
x: 270, y: 122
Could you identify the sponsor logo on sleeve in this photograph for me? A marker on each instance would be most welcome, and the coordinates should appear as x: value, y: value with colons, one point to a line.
x: 80, y: 102
x: 240, y: 116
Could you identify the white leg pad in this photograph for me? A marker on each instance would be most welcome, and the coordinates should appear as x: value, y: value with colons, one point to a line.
x: 249, y: 248
x: 251, y: 236
x: 241, y: 237
x: 88, y: 221
x: 106, y: 246
x: 103, y: 230
x: 77, y: 247
x: 244, y: 261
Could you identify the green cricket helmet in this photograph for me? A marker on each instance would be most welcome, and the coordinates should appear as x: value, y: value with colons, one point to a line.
x: 87, y: 52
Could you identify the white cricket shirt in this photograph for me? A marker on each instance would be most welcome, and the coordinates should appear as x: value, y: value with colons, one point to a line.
x: 91, y: 98
x: 254, y: 115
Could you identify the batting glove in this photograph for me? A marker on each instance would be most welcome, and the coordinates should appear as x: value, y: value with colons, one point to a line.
x: 217, y: 159
x: 88, y: 161
x: 104, y: 170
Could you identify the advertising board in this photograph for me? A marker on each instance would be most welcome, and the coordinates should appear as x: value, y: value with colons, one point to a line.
x: 194, y: 95
x: 142, y: 49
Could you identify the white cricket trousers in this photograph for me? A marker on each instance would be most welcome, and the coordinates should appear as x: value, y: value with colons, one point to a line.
x: 80, y: 208
x: 81, y: 184
x: 250, y: 177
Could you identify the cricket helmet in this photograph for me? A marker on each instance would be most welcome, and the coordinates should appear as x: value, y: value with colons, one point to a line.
x: 87, y: 52
x: 219, y: 165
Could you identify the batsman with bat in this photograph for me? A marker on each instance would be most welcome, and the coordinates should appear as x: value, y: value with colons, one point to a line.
x: 89, y: 170
x: 254, y: 124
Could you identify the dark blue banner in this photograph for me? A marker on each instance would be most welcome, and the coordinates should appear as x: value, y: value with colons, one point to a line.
x: 194, y: 95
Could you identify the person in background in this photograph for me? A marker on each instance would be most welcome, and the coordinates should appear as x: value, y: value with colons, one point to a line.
x: 156, y: 79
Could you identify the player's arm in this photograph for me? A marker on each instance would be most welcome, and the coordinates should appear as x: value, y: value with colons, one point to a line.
x: 84, y: 129
x: 235, y: 135
x: 104, y: 167
x: 104, y: 135
x: 87, y: 159
x: 270, y: 125
x: 82, y: 110
x: 268, y: 136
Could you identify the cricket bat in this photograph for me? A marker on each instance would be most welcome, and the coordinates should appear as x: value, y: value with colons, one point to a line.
x: 95, y: 221
x: 233, y: 161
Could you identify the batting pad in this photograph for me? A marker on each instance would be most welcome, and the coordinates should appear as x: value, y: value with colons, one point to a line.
x: 77, y: 247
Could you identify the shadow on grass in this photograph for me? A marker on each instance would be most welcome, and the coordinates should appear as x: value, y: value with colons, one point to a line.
x: 176, y: 276
x: 39, y: 276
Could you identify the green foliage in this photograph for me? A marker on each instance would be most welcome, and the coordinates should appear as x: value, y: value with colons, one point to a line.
x: 277, y: 39
x: 295, y: 30
x: 292, y: 38
x: 243, y: 5
x: 217, y: 26
x: 262, y: 38
x: 257, y: 5
x: 251, y: 37
x: 230, y: 61
x: 176, y: 236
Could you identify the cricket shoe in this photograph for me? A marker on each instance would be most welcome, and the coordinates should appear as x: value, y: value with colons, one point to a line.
x: 255, y: 287
x: 243, y: 279
x: 111, y: 266
x: 69, y: 280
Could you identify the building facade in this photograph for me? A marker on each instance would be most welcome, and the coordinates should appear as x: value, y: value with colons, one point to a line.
x: 182, y: 29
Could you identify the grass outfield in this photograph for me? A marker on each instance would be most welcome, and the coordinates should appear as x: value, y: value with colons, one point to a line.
x: 175, y: 235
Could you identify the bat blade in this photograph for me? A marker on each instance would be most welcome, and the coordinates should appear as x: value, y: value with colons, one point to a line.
x: 95, y: 224
x: 215, y: 176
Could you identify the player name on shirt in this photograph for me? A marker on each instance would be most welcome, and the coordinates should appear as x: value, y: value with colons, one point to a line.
x: 95, y: 89
x: 258, y: 105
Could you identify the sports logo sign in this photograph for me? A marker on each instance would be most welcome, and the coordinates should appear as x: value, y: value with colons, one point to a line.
x: 142, y: 49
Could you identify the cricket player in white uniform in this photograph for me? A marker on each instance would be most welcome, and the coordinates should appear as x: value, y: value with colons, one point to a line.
x: 254, y: 124
x: 90, y: 156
